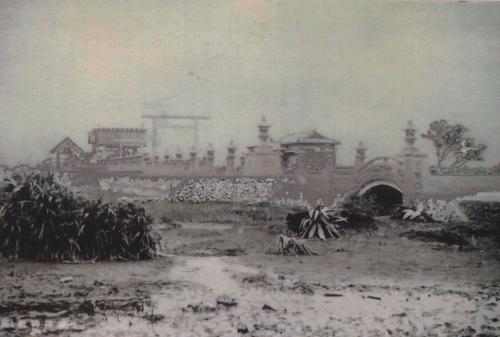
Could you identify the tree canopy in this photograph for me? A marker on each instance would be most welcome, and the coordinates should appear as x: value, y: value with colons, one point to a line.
x: 453, y: 147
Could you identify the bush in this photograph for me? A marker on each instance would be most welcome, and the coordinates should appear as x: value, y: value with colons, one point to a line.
x: 356, y: 204
x: 416, y: 213
x: 481, y: 210
x: 357, y: 210
x: 42, y: 219
x: 443, y: 211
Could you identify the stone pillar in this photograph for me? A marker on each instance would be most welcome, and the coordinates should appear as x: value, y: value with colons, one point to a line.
x: 193, y: 157
x: 210, y: 155
x: 146, y: 159
x: 178, y: 155
x: 264, y: 130
x: 231, y: 155
x: 415, y: 168
x: 410, y: 138
x: 360, y: 156
x: 192, y: 153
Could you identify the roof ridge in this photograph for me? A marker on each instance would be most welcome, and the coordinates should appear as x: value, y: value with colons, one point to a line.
x: 72, y: 142
x: 307, y: 136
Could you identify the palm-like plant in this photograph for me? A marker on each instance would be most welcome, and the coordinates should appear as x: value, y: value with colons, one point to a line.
x: 416, y: 213
x: 320, y: 223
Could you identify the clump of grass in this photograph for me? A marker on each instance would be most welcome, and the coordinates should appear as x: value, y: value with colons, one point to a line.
x: 44, y: 220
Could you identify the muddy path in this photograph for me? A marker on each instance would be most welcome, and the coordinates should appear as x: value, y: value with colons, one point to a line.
x: 223, y: 280
x: 226, y: 298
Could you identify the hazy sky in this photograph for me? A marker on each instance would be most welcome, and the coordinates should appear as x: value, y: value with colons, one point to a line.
x: 353, y: 71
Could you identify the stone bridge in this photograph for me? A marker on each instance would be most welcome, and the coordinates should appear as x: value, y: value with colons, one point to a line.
x: 383, y: 177
x: 394, y: 179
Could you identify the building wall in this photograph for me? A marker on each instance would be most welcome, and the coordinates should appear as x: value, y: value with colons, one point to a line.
x: 314, y: 171
x: 312, y: 167
x: 344, y: 182
x: 450, y: 187
x: 262, y: 160
x: 116, y: 137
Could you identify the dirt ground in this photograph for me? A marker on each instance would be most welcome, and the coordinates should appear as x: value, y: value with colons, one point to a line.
x: 221, y: 277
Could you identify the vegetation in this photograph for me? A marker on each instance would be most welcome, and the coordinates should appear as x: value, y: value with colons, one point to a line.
x: 291, y: 247
x: 320, y: 223
x: 359, y: 208
x: 431, y: 211
x: 444, y: 211
x: 451, y: 143
x: 42, y: 219
x: 359, y: 211
x: 481, y: 210
x: 413, y: 212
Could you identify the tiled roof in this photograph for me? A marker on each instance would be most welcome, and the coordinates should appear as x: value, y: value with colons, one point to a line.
x: 308, y: 137
x: 120, y: 129
x: 73, y: 145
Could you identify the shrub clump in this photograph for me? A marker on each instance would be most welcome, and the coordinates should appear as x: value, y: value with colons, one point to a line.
x: 413, y: 212
x: 481, y: 210
x: 44, y: 220
x: 357, y: 210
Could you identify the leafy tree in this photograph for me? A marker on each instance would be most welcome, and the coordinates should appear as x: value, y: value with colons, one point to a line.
x: 451, y: 142
x: 468, y: 151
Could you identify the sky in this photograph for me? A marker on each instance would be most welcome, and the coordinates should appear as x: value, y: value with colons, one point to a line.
x: 351, y: 70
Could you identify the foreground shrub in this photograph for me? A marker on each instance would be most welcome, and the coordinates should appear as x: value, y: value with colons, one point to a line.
x: 363, y: 206
x: 481, y: 229
x: 443, y: 211
x: 431, y: 211
x: 318, y: 222
x: 44, y: 220
x: 481, y: 210
x: 413, y: 212
x: 357, y: 211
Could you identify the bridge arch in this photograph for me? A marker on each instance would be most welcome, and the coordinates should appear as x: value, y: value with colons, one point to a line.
x: 372, y: 184
x: 380, y: 168
x: 391, y: 161
x: 382, y: 195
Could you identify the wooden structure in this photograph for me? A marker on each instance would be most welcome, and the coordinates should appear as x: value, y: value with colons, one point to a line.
x: 66, y: 152
x: 165, y: 118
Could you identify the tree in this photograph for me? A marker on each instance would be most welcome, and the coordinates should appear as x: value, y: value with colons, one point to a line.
x: 468, y: 151
x: 451, y: 142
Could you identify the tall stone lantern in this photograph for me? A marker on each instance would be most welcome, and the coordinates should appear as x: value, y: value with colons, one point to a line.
x: 231, y: 155
x: 414, y: 162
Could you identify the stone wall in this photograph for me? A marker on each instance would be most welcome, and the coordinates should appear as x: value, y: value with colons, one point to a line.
x: 449, y: 187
